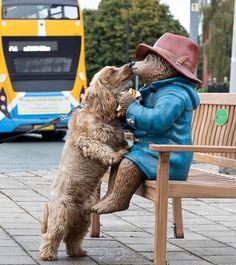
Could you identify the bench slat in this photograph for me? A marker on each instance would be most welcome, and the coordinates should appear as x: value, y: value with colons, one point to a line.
x: 218, y: 98
x: 199, y: 185
x: 215, y: 160
x: 193, y: 148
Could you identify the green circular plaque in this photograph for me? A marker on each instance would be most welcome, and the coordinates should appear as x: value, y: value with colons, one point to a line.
x: 221, y: 117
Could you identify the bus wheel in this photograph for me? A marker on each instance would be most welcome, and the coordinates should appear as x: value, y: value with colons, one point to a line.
x: 53, y: 136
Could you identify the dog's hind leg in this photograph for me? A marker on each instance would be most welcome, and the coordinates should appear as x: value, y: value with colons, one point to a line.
x: 55, y: 231
x: 44, y: 221
x: 74, y: 238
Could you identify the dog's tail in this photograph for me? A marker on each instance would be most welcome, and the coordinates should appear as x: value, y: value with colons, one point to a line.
x: 44, y: 221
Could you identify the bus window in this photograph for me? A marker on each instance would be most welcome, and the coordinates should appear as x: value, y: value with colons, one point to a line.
x: 42, y: 59
x: 42, y: 65
x: 40, y: 12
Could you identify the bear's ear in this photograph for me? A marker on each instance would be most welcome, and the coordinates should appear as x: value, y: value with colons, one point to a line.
x: 151, y: 57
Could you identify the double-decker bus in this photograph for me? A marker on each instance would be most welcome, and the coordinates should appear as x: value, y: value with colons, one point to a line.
x: 42, y: 65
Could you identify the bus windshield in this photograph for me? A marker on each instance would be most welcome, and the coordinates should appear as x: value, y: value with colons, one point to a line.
x: 42, y: 59
x: 40, y: 12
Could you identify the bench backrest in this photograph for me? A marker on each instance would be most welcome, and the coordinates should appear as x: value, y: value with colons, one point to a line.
x: 205, y: 130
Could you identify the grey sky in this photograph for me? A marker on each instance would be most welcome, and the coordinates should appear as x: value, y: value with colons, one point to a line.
x: 179, y: 9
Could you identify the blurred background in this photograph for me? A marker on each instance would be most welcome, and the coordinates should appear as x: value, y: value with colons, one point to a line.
x: 114, y: 28
x: 45, y: 75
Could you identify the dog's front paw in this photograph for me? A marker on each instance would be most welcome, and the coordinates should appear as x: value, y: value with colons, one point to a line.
x: 117, y: 157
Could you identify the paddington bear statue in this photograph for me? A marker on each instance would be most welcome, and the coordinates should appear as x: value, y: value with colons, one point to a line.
x: 162, y: 117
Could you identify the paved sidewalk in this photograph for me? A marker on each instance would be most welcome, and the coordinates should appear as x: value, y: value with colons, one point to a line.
x: 127, y: 237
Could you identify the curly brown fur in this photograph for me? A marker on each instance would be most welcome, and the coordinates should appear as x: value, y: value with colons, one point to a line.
x: 96, y: 141
x: 160, y: 69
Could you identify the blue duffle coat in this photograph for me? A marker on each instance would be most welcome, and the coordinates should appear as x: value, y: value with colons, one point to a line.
x: 164, y: 117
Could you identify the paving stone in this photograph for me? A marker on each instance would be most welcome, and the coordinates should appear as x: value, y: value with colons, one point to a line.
x: 229, y: 224
x: 23, y: 232
x: 64, y: 260
x: 19, y: 174
x: 147, y: 254
x: 130, y: 240
x: 127, y: 237
x: 190, y: 235
x: 15, y: 209
x: 15, y: 225
x: 213, y: 251
x: 18, y: 260
x: 121, y: 259
x: 33, y: 246
x: 28, y: 239
x: 123, y: 228
x: 11, y: 184
x: 141, y: 247
x: 11, y: 251
x: 180, y: 256
x: 135, y: 234
x: 197, y: 243
x: 222, y: 260
x: 218, y: 233
x: 189, y: 262
x: 34, y: 198
x: 7, y: 243
x: 3, y: 235
x: 207, y: 227
x: 100, y: 243
x: 226, y: 239
x: 198, y: 221
x: 22, y: 193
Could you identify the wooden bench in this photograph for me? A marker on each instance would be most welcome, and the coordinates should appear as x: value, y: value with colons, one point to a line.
x: 213, y: 144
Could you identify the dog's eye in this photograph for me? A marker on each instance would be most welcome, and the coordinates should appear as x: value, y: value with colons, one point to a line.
x: 113, y: 70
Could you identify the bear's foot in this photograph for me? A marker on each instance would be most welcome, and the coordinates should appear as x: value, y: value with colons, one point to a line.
x: 110, y: 204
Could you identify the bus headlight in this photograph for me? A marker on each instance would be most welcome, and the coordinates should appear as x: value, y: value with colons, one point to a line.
x: 82, y: 76
x: 3, y: 78
x: 3, y: 103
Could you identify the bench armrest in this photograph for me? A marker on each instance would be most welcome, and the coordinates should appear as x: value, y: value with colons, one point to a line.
x: 192, y: 148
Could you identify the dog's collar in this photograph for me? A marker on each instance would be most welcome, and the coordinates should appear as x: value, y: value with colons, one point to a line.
x: 79, y: 106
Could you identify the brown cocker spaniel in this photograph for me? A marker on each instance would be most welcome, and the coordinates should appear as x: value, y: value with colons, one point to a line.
x: 96, y: 141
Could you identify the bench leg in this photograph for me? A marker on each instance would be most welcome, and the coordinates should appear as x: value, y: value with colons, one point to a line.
x: 161, y: 209
x: 178, y: 218
x: 95, y: 219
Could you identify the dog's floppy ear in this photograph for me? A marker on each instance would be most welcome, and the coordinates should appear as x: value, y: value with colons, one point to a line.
x: 92, y: 92
x: 100, y: 100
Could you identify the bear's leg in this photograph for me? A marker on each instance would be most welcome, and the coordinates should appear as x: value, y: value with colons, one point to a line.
x: 128, y: 179
x: 111, y: 182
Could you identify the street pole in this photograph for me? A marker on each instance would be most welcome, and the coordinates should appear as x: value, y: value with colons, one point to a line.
x: 135, y: 80
x: 232, y: 86
x: 194, y: 18
x: 127, y: 32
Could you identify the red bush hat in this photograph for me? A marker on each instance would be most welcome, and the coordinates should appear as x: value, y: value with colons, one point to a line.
x: 179, y: 51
